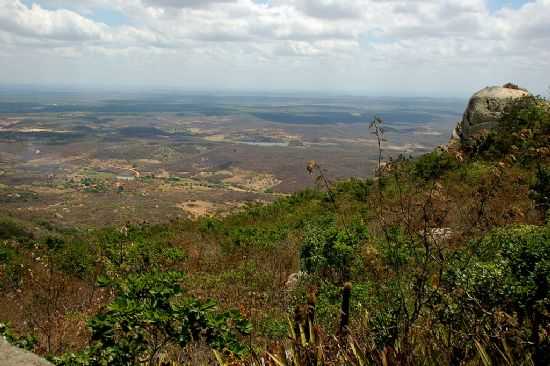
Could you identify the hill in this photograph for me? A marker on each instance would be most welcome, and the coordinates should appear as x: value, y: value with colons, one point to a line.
x: 440, y: 259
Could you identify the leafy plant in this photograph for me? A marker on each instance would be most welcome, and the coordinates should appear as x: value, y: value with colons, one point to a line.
x: 149, y: 317
x: 434, y: 164
x: 540, y: 189
x: 329, y: 250
x: 10, y: 229
x: 509, y: 273
x: 136, y: 248
x: 24, y: 342
x: 523, y: 131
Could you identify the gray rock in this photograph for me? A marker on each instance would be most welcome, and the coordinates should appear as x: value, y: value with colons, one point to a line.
x: 13, y: 356
x: 484, y: 109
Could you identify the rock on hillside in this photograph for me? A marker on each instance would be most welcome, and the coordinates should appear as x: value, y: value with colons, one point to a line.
x: 484, y: 109
x: 13, y: 356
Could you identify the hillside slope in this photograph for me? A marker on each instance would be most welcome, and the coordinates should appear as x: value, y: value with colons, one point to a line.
x: 448, y: 256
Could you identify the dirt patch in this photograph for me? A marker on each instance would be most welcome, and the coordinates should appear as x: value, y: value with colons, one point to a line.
x: 252, y: 181
x: 197, y: 208
x: 148, y: 161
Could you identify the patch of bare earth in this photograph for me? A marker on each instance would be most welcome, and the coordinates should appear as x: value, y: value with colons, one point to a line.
x: 251, y: 181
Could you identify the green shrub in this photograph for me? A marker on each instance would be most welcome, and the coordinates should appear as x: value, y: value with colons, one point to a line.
x: 523, y: 129
x: 359, y: 189
x: 10, y: 229
x: 328, y: 249
x: 149, y: 317
x: 273, y: 328
x: 6, y: 253
x: 75, y: 259
x: 137, y: 248
x: 24, y: 342
x: 210, y: 225
x: 540, y: 189
x: 433, y: 165
x: 506, y: 271
x: 256, y: 236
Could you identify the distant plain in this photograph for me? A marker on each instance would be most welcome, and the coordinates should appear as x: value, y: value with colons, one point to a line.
x: 99, y: 159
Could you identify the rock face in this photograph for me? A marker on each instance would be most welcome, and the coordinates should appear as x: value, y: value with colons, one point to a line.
x: 13, y: 356
x: 484, y: 109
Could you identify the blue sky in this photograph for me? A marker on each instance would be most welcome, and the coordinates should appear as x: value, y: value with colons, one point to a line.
x: 497, y: 4
x: 390, y: 47
x: 114, y: 17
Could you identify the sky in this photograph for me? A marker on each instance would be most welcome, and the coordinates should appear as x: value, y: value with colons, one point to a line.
x: 432, y: 48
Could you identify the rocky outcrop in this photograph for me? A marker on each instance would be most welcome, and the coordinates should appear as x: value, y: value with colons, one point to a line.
x: 484, y: 109
x: 13, y: 356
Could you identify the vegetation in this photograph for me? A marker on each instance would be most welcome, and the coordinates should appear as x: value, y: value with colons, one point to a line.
x: 147, y: 321
x: 441, y: 259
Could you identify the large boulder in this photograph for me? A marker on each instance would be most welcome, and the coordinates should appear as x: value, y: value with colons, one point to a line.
x: 484, y: 109
x: 13, y: 356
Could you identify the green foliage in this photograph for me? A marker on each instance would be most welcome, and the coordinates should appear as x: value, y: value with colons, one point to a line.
x: 11, y: 269
x: 358, y: 189
x: 506, y: 271
x: 386, y: 314
x: 24, y: 342
x: 7, y: 253
x: 273, y: 328
x: 11, y: 230
x: 264, y: 226
x: 433, y: 165
x: 93, y: 185
x: 137, y: 248
x: 329, y: 301
x: 517, y: 259
x: 328, y: 249
x: 149, y: 317
x: 70, y: 255
x: 540, y: 189
x: 257, y: 236
x: 397, y: 249
x: 75, y: 259
x: 523, y: 130
x: 210, y: 225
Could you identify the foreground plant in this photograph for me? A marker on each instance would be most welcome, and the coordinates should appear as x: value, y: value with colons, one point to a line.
x: 149, y: 320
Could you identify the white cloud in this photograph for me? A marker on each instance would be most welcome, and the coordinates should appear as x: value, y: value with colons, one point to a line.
x: 353, y: 36
x: 39, y: 23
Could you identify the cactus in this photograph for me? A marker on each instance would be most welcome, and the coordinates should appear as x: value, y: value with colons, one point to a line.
x: 344, y: 320
x: 304, y: 318
x: 311, y: 300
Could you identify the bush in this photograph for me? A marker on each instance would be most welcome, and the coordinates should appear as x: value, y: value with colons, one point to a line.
x: 330, y: 250
x: 75, y: 259
x: 254, y: 236
x: 9, y: 229
x: 433, y: 165
x: 24, y: 342
x: 11, y: 266
x: 506, y: 272
x: 359, y: 189
x: 540, y: 189
x: 148, y: 318
x: 137, y: 248
x: 6, y: 253
x: 12, y: 275
x: 523, y: 131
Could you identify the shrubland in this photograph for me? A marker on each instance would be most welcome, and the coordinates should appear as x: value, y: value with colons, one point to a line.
x: 445, y: 260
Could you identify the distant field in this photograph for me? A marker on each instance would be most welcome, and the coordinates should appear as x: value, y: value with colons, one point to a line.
x: 92, y: 159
